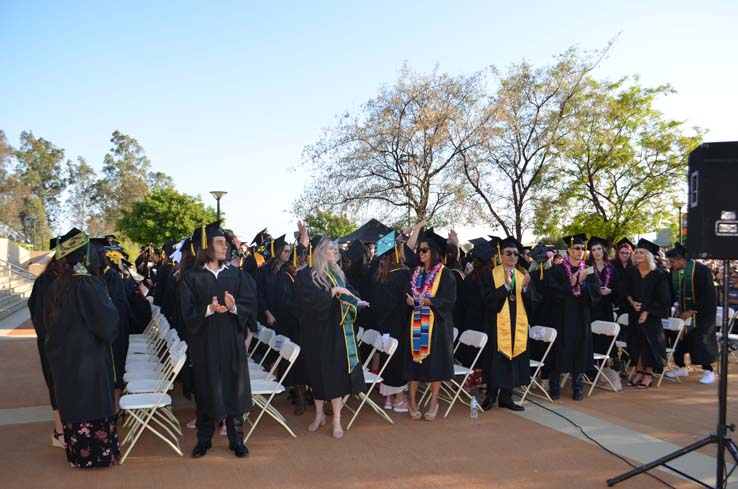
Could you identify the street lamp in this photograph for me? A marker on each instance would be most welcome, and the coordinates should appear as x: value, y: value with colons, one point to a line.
x: 218, y: 194
x: 679, y: 221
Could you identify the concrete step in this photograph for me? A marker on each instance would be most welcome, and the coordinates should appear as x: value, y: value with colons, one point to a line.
x: 10, y: 307
x: 23, y: 289
x: 8, y: 283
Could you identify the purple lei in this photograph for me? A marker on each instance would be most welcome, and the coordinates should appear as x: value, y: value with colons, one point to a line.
x: 576, y: 289
x: 608, y: 274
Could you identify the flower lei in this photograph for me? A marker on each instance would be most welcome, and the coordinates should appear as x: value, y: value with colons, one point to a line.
x: 608, y: 274
x: 576, y: 289
x: 424, y: 291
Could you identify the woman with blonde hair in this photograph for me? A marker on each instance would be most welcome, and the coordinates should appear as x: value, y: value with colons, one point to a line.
x: 648, y: 294
x: 328, y: 308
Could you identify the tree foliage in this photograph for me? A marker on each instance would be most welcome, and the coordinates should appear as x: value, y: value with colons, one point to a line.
x: 81, y: 203
x: 397, y: 154
x: 162, y: 215
x: 325, y: 223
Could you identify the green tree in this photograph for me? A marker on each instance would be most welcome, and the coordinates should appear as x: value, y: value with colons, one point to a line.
x: 162, y: 215
x: 12, y: 194
x: 625, y: 165
x: 324, y: 223
x: 80, y: 203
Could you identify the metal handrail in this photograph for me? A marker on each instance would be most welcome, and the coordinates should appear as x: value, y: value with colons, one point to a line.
x: 15, y: 269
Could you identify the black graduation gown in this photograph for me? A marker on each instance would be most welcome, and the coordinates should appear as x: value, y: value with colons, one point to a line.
x: 140, y: 307
x: 285, y: 310
x: 264, y: 281
x: 473, y: 319
x: 38, y: 304
x: 460, y: 305
x: 165, y: 295
x: 78, y: 346
x: 505, y: 373
x: 570, y: 315
x: 117, y: 292
x: 647, y: 340
x: 700, y: 342
x: 603, y: 309
x: 439, y: 364
x: 388, y: 299
x: 323, y: 343
x: 216, y: 342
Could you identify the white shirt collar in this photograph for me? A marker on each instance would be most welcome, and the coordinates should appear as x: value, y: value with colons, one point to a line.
x: 215, y: 272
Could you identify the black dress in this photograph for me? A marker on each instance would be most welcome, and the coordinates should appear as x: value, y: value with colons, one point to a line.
x: 603, y: 310
x: 647, y: 341
x: 286, y: 312
x: 699, y: 341
x: 216, y: 342
x: 38, y: 304
x: 473, y: 319
x: 323, y: 342
x: 504, y: 373
x: 570, y: 315
x: 388, y: 299
x: 439, y: 364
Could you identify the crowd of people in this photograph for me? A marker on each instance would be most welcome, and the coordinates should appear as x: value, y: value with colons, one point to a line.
x: 411, y: 284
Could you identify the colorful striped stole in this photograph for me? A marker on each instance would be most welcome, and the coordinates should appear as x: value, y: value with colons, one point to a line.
x: 421, y: 325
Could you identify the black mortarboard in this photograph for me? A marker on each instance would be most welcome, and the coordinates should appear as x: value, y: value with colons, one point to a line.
x: 70, y: 242
x: 98, y: 244
x: 112, y: 240
x: 625, y: 242
x: 482, y: 249
x: 648, y: 245
x: 203, y: 236
x: 596, y: 240
x: 539, y: 253
x: 315, y: 240
x: 510, y: 242
x: 522, y: 263
x: 169, y: 247
x: 279, y: 242
x: 678, y: 251
x: 355, y: 251
x: 261, y: 237
x: 434, y: 240
x: 570, y: 241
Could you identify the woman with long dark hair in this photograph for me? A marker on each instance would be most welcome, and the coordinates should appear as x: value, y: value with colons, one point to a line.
x: 328, y: 309
x: 82, y: 324
x: 433, y: 296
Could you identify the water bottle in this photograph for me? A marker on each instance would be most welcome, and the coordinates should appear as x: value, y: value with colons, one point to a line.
x: 474, y: 408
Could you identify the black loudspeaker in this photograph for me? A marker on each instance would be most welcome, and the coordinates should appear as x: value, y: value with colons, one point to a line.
x: 712, y: 210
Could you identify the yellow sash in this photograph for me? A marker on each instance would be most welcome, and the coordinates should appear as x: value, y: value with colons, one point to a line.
x: 504, y: 330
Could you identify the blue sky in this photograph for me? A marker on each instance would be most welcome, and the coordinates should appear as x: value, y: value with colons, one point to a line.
x: 244, y: 86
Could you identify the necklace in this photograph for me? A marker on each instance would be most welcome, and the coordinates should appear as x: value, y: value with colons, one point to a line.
x: 576, y: 289
x: 608, y: 274
x: 430, y: 277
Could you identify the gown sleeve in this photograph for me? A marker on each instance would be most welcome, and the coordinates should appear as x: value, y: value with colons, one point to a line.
x: 97, y: 309
x: 660, y: 303
x: 445, y: 299
x: 706, y: 298
x: 193, y: 313
x: 492, y: 296
x: 246, y: 302
x: 311, y: 297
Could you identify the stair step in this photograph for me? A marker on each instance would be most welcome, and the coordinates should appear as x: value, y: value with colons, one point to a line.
x: 8, y: 309
x: 22, y: 288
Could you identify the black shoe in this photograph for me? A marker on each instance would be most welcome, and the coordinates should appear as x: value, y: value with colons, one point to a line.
x: 487, y: 404
x: 578, y: 395
x: 555, y: 395
x: 201, y: 449
x: 511, y: 406
x: 239, y: 449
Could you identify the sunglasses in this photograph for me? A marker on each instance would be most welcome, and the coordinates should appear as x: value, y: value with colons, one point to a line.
x: 423, y: 250
x: 512, y: 253
x: 578, y: 248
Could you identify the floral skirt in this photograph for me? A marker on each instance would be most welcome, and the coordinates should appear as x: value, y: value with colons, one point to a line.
x: 92, y: 444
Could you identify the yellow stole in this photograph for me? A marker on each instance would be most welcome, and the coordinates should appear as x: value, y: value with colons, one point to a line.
x: 504, y: 329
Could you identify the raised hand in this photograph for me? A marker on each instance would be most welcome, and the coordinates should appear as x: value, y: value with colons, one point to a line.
x: 230, y: 302
x: 508, y: 278
x: 526, y: 280
x: 216, y: 307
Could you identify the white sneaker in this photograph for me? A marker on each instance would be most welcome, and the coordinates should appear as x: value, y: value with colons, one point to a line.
x: 680, y: 372
x: 708, y: 377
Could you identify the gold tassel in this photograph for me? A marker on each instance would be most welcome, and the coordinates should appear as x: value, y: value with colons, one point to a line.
x: 310, y: 256
x: 294, y: 255
x: 499, y: 254
x: 271, y: 247
x: 540, y: 265
x: 192, y: 248
x: 397, y: 256
x: 204, y: 239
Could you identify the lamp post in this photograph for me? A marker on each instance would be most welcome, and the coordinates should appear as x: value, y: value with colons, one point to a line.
x: 679, y: 221
x: 218, y: 194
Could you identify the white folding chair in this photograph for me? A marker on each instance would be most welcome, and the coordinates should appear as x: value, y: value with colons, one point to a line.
x: 677, y: 326
x: 263, y: 391
x: 152, y: 380
x: 605, y: 328
x: 153, y: 407
x: 379, y: 344
x: 622, y: 346
x: 548, y: 336
x: 276, y: 343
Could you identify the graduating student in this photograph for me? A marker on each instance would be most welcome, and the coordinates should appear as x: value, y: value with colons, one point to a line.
x: 694, y: 295
x: 481, y: 262
x: 256, y: 258
x: 81, y: 325
x: 647, y: 291
x: 573, y: 290
x: 328, y: 309
x: 216, y: 305
x: 165, y: 296
x: 279, y: 254
x: 389, y: 287
x: 433, y: 296
x: 506, y: 296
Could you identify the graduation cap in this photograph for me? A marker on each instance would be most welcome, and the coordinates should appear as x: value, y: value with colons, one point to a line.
x: 434, y: 240
x: 315, y: 240
x: 570, y: 241
x: 678, y: 251
x: 648, y: 245
x: 277, y: 243
x: 369, y: 232
x: 539, y: 253
x: 511, y: 242
x: 261, y: 237
x: 169, y: 247
x: 522, y: 263
x: 112, y: 240
x: 203, y: 236
x: 71, y: 242
x: 483, y: 250
x: 355, y: 251
x: 99, y: 244
x: 596, y: 240
x: 387, y: 243
x: 625, y: 242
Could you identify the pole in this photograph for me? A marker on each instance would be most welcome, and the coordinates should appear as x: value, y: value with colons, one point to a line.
x: 722, y: 428
x: 217, y: 200
x: 679, y: 225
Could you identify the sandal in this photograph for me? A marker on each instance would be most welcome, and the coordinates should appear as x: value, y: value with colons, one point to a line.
x: 337, y: 431
x: 415, y: 415
x: 57, y: 440
x: 317, y: 423
x: 643, y: 384
x: 636, y: 380
x: 431, y: 415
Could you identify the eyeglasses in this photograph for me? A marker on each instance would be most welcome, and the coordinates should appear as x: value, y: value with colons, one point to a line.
x: 512, y: 253
x: 578, y: 248
x: 423, y: 250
